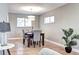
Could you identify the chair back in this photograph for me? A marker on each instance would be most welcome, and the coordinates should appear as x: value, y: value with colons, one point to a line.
x: 23, y: 32
x: 24, y: 36
x: 36, y: 35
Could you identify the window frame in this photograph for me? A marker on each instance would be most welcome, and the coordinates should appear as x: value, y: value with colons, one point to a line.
x: 48, y: 20
x: 23, y: 22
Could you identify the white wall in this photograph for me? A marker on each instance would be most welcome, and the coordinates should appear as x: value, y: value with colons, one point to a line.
x: 16, y: 31
x: 3, y: 16
x: 3, y: 12
x: 65, y: 17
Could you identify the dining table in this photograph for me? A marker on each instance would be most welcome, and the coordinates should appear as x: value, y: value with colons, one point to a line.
x: 30, y: 36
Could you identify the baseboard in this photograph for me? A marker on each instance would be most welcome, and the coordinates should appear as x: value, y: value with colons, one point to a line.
x: 15, y: 38
x: 75, y: 50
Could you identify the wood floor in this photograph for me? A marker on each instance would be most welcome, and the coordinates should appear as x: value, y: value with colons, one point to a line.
x: 21, y: 49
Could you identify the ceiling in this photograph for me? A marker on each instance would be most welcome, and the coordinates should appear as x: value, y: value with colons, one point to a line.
x: 16, y: 7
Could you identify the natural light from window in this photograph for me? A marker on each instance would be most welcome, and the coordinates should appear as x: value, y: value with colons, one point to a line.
x: 20, y: 22
x: 32, y: 18
x: 28, y: 23
x: 24, y: 22
x: 48, y: 20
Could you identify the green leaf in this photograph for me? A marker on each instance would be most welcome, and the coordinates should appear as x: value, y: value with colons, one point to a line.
x: 68, y: 38
x: 70, y: 32
x: 72, y: 43
x: 65, y: 32
x: 75, y: 36
x: 65, y: 38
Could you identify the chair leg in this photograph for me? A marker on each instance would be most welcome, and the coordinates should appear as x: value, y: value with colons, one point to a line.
x: 39, y: 43
x: 28, y: 42
x: 31, y: 42
x: 34, y: 43
x: 23, y: 41
x: 8, y: 51
x: 3, y: 52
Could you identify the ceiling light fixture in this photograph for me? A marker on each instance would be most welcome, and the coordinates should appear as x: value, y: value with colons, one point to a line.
x: 32, y: 8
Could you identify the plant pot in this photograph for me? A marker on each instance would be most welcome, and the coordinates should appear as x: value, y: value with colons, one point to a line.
x: 68, y: 49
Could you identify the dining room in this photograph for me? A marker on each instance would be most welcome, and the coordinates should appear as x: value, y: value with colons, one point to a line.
x: 36, y: 28
x: 25, y: 26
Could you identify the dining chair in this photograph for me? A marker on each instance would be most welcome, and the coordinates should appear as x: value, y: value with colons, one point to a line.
x: 36, y: 37
x: 24, y: 37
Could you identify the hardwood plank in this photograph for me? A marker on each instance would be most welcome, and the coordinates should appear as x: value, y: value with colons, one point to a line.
x: 20, y: 49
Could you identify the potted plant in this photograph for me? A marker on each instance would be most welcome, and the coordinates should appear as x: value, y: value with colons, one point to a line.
x: 70, y: 39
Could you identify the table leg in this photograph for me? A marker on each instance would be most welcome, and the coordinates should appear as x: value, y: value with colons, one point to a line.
x: 3, y: 52
x: 8, y: 51
x: 43, y: 39
x: 28, y: 42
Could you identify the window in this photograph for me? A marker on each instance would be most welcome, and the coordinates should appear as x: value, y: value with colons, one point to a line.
x: 49, y: 20
x: 24, y: 22
x: 31, y: 17
x: 28, y: 23
x: 20, y: 22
